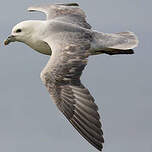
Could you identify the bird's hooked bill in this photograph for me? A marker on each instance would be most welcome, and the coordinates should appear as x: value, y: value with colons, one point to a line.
x: 10, y: 39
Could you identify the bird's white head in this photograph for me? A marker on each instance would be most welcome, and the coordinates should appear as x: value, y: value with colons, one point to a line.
x: 22, y: 32
x: 32, y: 33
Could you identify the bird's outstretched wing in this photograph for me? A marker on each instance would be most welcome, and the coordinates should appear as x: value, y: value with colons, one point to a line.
x: 62, y: 79
x: 69, y: 13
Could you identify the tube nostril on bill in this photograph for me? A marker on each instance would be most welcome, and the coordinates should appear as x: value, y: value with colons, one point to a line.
x: 6, y: 42
x: 9, y: 40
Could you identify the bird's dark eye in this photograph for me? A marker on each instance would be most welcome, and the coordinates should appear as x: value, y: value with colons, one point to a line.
x: 18, y: 30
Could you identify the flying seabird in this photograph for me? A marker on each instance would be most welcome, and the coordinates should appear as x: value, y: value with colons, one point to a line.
x: 67, y: 37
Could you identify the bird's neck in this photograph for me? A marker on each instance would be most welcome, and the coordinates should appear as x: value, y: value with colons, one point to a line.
x: 36, y: 37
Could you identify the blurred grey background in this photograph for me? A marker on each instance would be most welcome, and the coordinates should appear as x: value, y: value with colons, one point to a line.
x: 121, y: 85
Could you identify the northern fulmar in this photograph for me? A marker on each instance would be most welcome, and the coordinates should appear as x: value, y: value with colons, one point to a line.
x: 67, y: 37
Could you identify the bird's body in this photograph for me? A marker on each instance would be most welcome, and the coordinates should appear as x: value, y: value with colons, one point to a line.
x: 69, y: 40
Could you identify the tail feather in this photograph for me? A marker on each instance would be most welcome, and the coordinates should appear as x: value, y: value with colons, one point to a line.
x: 117, y: 43
x: 125, y: 40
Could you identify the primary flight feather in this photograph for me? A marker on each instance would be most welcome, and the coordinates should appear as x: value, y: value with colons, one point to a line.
x: 68, y: 39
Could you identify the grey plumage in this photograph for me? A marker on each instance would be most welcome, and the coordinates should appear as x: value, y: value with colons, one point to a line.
x: 68, y: 39
x: 73, y: 42
x: 70, y: 96
x: 63, y: 12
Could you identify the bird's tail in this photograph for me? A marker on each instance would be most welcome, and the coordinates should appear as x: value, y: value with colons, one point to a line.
x: 112, y: 44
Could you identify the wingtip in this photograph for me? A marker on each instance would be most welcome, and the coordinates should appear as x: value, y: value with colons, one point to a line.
x: 30, y: 9
x: 37, y: 8
x: 33, y: 8
x: 68, y: 4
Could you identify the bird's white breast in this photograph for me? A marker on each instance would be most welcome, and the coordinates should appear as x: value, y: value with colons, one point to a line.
x: 40, y: 46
